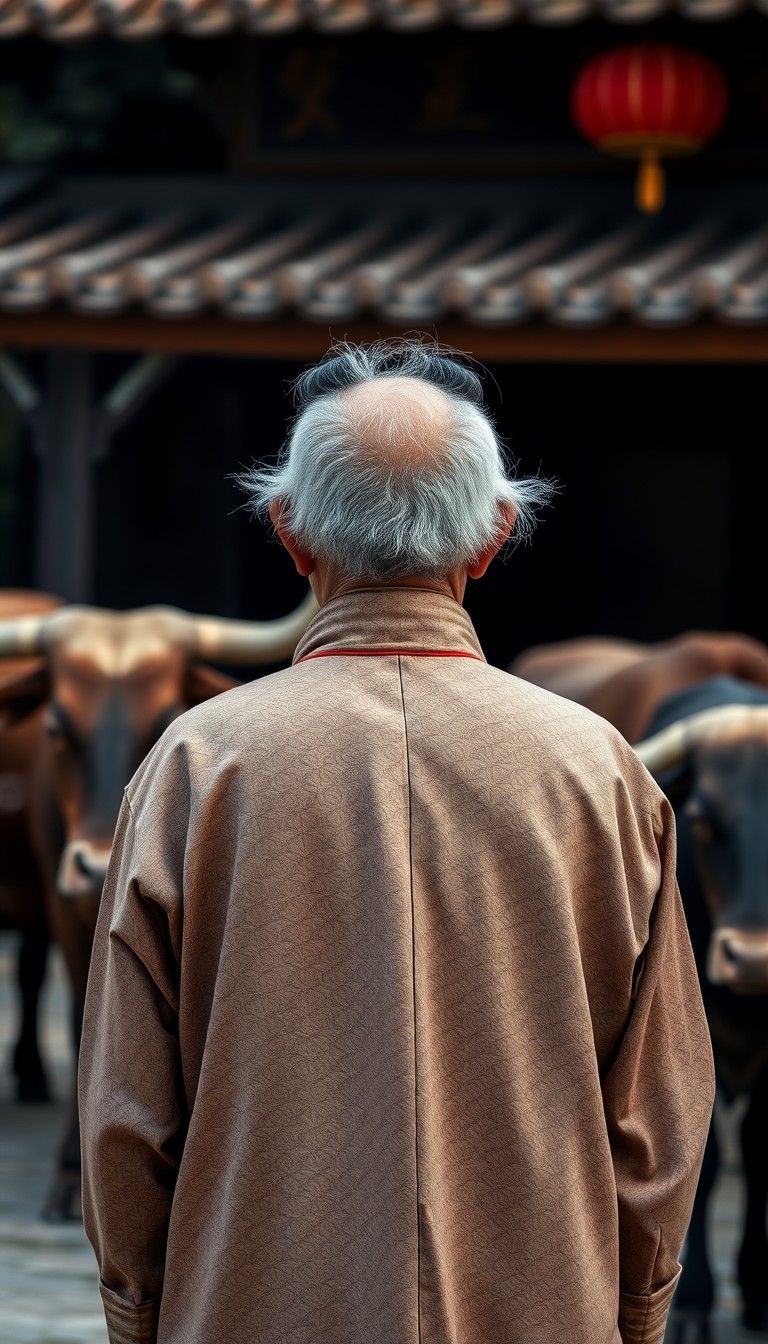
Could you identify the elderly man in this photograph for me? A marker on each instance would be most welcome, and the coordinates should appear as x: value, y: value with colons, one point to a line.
x: 393, y: 1031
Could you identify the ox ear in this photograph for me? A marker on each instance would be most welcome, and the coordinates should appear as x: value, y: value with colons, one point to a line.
x: 204, y: 682
x: 21, y: 695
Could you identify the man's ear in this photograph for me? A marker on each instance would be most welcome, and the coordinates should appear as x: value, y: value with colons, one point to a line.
x: 507, y: 516
x: 301, y: 558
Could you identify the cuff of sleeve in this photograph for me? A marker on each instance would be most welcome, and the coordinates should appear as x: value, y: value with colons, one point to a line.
x: 128, y: 1323
x: 643, y: 1316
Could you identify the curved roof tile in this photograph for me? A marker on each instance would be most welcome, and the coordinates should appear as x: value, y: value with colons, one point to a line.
x: 485, y: 267
x: 72, y: 20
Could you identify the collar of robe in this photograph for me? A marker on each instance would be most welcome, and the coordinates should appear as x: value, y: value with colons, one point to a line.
x: 370, y: 622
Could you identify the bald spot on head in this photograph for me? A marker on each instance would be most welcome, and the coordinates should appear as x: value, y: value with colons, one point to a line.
x: 403, y: 422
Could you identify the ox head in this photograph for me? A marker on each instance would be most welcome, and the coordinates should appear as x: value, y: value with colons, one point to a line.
x: 714, y: 765
x: 108, y: 684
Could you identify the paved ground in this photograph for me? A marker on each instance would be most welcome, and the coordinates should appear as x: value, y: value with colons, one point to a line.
x: 48, y: 1280
x: 48, y: 1292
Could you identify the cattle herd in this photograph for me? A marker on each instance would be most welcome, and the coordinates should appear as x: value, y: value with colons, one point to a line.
x: 696, y: 711
x: 84, y: 694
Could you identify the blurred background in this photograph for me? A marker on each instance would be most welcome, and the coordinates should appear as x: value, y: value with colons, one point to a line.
x: 198, y: 196
x: 189, y: 216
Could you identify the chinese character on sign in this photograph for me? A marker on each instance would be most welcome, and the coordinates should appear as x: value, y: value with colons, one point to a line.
x: 308, y: 77
x: 444, y: 106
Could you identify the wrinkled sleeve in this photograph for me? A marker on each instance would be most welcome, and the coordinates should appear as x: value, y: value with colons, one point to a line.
x: 658, y: 1096
x: 131, y: 1097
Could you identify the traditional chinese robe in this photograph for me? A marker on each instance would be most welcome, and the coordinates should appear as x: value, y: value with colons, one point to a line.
x: 393, y: 1032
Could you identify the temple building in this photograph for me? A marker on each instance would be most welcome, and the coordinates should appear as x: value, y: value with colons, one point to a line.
x: 198, y: 196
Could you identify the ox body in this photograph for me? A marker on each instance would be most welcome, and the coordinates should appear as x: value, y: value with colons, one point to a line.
x: 22, y: 898
x: 85, y: 695
x: 705, y: 737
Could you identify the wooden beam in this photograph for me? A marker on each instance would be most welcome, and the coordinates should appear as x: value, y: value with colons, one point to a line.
x: 64, y: 435
x: 702, y: 342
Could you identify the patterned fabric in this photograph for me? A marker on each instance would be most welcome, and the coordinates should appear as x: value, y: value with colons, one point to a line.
x: 644, y: 1316
x: 393, y: 1031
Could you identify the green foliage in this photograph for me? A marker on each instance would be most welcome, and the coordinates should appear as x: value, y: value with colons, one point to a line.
x: 74, y: 111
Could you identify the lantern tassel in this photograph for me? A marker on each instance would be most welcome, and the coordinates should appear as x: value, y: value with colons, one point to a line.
x: 649, y: 188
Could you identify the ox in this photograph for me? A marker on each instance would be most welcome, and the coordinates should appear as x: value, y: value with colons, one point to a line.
x: 22, y: 902
x: 95, y: 693
x: 696, y: 709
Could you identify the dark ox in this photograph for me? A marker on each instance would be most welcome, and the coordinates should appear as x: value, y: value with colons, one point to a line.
x: 705, y: 737
x: 86, y: 694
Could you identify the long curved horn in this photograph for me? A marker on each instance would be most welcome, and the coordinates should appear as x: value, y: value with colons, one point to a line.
x: 671, y: 745
x: 217, y: 639
x: 21, y: 636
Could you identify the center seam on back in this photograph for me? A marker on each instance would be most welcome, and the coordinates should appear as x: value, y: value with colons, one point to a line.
x: 413, y: 971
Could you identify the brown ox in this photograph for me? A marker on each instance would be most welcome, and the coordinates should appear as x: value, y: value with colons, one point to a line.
x: 626, y: 682
x: 697, y: 709
x: 84, y: 696
x: 22, y: 903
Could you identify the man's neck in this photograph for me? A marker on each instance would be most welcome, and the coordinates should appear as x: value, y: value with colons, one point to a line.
x: 326, y: 585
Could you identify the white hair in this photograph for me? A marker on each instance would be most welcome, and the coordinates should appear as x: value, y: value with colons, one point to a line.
x: 409, y: 483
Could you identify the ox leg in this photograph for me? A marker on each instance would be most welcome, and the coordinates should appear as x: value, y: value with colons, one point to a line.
x: 63, y: 1202
x: 753, y: 1256
x: 31, y: 1081
x: 696, y: 1291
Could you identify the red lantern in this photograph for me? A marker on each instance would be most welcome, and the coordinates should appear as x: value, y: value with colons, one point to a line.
x: 648, y: 102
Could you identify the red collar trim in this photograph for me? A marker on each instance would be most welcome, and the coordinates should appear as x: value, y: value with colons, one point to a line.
x: 384, y: 653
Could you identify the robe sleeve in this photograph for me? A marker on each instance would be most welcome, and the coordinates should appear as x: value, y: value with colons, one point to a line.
x: 130, y: 1090
x: 658, y: 1096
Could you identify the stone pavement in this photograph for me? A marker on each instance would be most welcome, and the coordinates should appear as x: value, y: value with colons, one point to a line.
x: 48, y: 1282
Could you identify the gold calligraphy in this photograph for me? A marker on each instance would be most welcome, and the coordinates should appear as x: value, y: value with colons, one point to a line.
x: 445, y: 104
x: 308, y: 77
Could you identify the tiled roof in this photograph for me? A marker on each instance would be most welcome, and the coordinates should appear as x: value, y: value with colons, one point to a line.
x: 72, y: 20
x: 253, y: 259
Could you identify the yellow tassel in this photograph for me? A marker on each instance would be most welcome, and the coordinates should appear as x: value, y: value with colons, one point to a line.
x: 649, y: 188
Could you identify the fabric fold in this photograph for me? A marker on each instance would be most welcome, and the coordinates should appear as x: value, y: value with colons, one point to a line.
x: 127, y: 1322
x: 643, y: 1317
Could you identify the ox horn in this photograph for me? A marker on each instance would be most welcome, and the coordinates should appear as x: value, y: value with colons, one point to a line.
x: 217, y: 639
x: 670, y: 747
x: 21, y: 636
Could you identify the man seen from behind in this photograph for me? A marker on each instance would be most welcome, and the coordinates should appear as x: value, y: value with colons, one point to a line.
x: 393, y: 1031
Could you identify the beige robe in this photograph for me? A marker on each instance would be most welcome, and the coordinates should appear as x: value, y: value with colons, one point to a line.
x: 393, y: 1031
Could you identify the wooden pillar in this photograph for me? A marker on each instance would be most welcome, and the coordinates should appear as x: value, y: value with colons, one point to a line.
x: 66, y: 444
x: 71, y: 432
